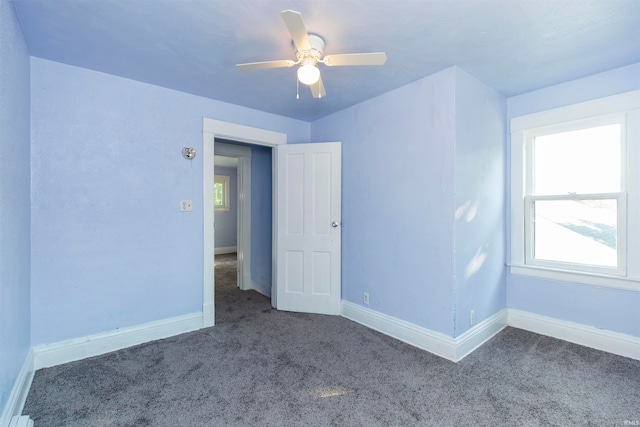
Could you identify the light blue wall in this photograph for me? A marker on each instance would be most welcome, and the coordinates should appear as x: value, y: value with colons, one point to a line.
x: 15, y: 216
x: 398, y: 201
x: 413, y: 160
x: 596, y: 86
x: 610, y: 309
x: 479, y: 201
x: 261, y: 217
x: 110, y: 245
x: 227, y: 220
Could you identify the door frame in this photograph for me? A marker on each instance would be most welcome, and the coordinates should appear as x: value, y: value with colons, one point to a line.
x: 243, y: 200
x: 210, y: 130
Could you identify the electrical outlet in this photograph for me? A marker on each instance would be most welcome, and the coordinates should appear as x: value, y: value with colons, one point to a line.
x: 472, y: 317
x: 186, y: 205
x: 365, y: 298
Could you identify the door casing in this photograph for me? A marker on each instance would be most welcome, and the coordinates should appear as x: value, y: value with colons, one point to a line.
x: 218, y: 129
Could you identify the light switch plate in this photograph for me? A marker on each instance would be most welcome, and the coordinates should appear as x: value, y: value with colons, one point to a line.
x: 186, y: 205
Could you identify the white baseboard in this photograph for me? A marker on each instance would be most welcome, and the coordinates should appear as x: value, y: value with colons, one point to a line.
x: 588, y: 336
x: 426, y: 339
x: 21, y: 421
x: 469, y: 341
x: 94, y: 345
x: 454, y: 349
x: 226, y: 250
x: 19, y: 392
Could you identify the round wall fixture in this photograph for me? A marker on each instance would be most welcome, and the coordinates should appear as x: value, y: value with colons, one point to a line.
x: 188, y: 152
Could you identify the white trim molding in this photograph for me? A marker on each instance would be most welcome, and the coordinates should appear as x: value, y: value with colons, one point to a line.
x: 623, y: 109
x: 578, y: 277
x: 226, y: 250
x: 596, y: 107
x: 588, y: 336
x: 212, y: 129
x: 20, y: 390
x: 472, y: 339
x: 454, y: 349
x: 434, y: 342
x: 242, y: 133
x: 21, y: 421
x: 94, y: 345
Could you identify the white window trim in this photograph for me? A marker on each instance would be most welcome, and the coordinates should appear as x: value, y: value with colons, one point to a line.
x: 627, y: 103
x: 224, y: 180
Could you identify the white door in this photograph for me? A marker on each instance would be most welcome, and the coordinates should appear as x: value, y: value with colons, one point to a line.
x: 308, y: 228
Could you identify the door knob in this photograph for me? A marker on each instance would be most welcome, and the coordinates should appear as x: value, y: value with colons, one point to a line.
x: 335, y: 224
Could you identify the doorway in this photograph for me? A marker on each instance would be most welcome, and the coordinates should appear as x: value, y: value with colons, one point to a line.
x: 232, y: 227
x: 212, y: 130
x: 306, y: 224
x: 240, y: 164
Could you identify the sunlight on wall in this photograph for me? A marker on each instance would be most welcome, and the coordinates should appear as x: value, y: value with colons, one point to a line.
x: 476, y: 262
x: 468, y: 208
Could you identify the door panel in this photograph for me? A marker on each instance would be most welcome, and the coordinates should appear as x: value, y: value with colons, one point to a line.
x: 294, y: 269
x: 308, y: 245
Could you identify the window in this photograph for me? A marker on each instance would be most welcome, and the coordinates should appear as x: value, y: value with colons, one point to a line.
x: 221, y: 193
x: 575, y: 203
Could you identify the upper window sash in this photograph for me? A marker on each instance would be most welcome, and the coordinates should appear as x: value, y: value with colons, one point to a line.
x: 530, y: 135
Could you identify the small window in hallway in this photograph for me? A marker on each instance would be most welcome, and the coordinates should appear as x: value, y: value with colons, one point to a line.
x: 221, y: 192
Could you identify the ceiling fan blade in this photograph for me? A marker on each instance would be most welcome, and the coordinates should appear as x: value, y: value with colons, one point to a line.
x: 295, y: 25
x: 376, y: 58
x: 266, y: 64
x: 317, y: 89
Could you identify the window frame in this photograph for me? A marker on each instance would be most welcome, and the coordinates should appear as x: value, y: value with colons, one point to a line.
x: 225, y: 181
x: 623, y: 108
x: 530, y: 198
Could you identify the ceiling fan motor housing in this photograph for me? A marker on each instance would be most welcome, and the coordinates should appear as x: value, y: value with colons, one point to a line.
x: 309, y: 50
x: 315, y: 53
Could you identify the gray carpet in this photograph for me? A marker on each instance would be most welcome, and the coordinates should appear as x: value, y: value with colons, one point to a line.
x: 262, y: 367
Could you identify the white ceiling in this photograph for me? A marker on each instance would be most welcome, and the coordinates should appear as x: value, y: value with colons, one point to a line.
x: 225, y: 161
x: 514, y: 46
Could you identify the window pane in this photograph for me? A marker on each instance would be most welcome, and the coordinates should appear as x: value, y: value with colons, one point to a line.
x: 218, y: 199
x: 585, y: 161
x: 576, y: 231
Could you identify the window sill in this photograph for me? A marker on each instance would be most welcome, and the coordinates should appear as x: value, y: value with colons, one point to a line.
x: 582, y: 278
x: 222, y: 209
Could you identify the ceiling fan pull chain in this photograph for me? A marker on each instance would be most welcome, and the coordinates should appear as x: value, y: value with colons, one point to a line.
x: 297, y: 88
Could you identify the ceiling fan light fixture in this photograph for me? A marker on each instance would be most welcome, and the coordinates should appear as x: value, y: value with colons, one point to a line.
x: 309, y: 52
x: 308, y: 74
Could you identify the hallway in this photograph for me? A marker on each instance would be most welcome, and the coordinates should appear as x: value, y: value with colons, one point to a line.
x: 233, y: 304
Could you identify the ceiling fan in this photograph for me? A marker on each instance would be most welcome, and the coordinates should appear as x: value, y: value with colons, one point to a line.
x: 309, y: 48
